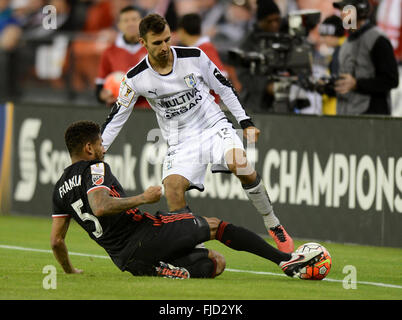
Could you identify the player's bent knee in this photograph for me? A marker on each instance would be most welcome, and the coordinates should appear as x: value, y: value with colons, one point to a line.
x: 175, y: 185
x: 176, y: 181
x: 219, y: 260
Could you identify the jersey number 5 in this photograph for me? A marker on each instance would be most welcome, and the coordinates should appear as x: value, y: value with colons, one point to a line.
x: 77, y: 205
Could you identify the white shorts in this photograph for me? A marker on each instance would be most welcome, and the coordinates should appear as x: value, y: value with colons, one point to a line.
x: 190, y: 158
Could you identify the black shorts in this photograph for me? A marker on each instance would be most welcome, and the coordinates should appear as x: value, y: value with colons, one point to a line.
x: 171, y: 239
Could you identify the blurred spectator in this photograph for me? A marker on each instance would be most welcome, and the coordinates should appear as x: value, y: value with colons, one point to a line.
x: 211, y: 12
x: 333, y: 36
x: 97, y: 34
x: 10, y: 30
x: 10, y: 34
x: 236, y: 21
x: 257, y: 93
x: 389, y: 19
x: 165, y: 8
x: 31, y: 16
x: 189, y: 35
x: 367, y: 66
x: 184, y: 7
x: 125, y: 53
x: 65, y: 15
x: 225, y: 23
x: 99, y: 16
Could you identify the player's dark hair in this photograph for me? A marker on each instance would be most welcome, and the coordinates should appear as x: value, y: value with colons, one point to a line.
x: 152, y: 22
x: 80, y: 133
x: 191, y: 23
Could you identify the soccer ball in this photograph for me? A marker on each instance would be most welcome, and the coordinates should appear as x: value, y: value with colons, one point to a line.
x: 112, y: 83
x: 321, y: 268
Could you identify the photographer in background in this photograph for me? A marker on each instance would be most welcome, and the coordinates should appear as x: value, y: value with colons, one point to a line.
x: 257, y: 92
x: 367, y: 66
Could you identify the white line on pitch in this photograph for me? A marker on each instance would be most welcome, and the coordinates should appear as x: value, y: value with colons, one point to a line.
x: 378, y: 284
x: 50, y: 251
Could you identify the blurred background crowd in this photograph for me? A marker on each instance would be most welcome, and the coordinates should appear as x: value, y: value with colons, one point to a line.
x: 67, y: 59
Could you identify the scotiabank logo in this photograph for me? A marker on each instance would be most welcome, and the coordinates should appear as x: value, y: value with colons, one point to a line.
x: 25, y: 188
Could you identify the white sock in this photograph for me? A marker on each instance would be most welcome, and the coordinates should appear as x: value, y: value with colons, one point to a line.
x: 258, y: 195
x: 271, y: 220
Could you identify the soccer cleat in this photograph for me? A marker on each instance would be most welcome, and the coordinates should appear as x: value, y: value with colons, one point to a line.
x: 166, y: 270
x: 298, y: 261
x: 283, y: 241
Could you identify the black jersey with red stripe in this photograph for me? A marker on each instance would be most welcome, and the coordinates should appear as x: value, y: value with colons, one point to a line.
x: 115, y: 233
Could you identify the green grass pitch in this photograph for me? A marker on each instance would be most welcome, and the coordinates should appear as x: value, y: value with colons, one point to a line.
x: 248, y: 277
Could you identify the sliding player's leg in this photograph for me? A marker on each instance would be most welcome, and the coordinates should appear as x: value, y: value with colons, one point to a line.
x: 171, y: 253
x: 241, y: 239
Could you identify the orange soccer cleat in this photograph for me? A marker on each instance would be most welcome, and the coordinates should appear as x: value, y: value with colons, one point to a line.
x: 282, y: 239
x: 166, y: 270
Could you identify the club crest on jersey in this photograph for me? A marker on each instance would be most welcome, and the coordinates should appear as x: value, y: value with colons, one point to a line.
x: 98, y: 169
x: 190, y: 80
x: 126, y: 94
x: 97, y: 180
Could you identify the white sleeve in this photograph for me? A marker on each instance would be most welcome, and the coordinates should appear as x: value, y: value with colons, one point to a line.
x: 222, y: 86
x: 119, y: 114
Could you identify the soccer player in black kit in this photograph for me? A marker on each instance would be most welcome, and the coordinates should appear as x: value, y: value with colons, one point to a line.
x: 139, y: 242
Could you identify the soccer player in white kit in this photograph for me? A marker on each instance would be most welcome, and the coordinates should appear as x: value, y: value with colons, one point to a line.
x: 176, y: 81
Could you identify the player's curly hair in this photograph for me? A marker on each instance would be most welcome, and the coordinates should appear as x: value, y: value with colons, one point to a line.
x: 80, y: 133
x: 152, y: 22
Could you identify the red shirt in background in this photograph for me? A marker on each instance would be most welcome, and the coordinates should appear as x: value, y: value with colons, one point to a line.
x: 121, y: 56
x: 389, y: 19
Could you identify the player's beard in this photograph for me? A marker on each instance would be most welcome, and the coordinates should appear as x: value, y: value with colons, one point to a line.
x: 99, y: 155
x: 163, y: 57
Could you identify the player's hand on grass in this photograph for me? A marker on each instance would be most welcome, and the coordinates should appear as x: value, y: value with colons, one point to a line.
x: 152, y: 194
x: 251, y: 134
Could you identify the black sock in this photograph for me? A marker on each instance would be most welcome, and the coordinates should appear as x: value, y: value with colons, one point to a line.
x: 241, y: 239
x: 204, y: 268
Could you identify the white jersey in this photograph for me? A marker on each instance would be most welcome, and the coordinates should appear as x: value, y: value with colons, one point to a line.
x: 181, y: 99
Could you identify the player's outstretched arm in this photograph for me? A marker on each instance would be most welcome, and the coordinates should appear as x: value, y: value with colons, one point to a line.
x: 57, y: 236
x: 103, y: 204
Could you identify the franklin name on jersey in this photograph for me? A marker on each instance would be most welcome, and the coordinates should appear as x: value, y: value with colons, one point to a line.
x: 181, y: 99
